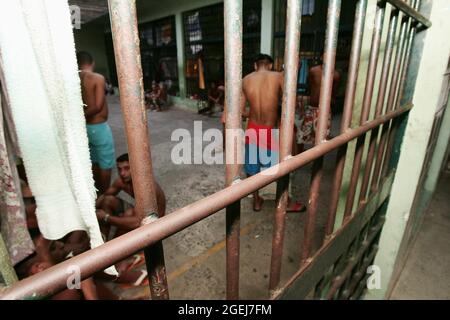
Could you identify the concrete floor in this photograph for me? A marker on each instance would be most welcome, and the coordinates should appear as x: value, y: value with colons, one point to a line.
x: 426, y: 274
x: 195, y: 257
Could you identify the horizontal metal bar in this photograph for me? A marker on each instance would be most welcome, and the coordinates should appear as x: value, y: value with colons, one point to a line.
x: 301, y: 283
x: 410, y: 11
x: 54, y: 279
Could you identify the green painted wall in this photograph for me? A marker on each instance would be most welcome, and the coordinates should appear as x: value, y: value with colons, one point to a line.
x: 267, y: 17
x: 91, y: 38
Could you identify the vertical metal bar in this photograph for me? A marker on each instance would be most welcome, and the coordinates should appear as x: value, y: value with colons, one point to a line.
x: 399, y: 95
x: 367, y: 101
x: 334, y: 12
x: 380, y: 102
x: 291, y: 53
x: 358, y: 33
x: 399, y: 58
x: 233, y: 85
x: 129, y: 70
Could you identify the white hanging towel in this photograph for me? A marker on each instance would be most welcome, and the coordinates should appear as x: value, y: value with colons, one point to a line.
x: 38, y: 52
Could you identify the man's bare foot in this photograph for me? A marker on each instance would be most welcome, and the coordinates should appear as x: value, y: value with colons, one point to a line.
x: 257, y: 203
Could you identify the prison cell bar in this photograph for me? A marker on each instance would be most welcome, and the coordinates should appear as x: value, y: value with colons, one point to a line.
x: 367, y: 101
x: 129, y: 70
x: 399, y: 97
x: 233, y: 87
x: 291, y: 54
x: 326, y: 90
x: 354, y: 261
x: 383, y: 82
x: 358, y: 33
x: 53, y: 279
x: 399, y: 62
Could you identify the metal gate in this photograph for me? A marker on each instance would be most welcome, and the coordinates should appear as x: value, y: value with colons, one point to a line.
x: 337, y: 268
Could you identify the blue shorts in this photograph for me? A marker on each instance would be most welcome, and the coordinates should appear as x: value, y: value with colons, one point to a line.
x: 101, y: 145
x: 257, y: 159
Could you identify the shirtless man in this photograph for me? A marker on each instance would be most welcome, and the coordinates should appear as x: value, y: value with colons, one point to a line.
x: 263, y: 90
x: 101, y: 142
x: 116, y: 211
x: 311, y: 111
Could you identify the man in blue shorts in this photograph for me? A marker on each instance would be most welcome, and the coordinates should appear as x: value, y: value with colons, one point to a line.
x: 101, y: 142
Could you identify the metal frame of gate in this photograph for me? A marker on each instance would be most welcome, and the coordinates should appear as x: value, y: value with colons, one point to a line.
x: 337, y: 268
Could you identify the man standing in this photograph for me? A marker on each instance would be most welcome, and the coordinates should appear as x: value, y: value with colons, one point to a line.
x: 101, y: 142
x: 263, y: 90
x: 310, y: 111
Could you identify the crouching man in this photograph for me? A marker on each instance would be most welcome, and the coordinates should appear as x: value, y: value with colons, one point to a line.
x: 115, y: 208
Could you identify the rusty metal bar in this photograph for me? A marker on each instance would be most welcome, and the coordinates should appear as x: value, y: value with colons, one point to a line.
x: 332, y: 33
x: 233, y: 87
x: 399, y: 58
x: 367, y: 101
x: 411, y: 11
x: 358, y: 33
x: 354, y: 261
x: 291, y: 54
x: 399, y: 95
x: 53, y: 279
x: 390, y: 41
x: 356, y: 279
x: 129, y: 70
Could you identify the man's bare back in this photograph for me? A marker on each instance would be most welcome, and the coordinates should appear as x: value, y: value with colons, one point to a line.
x: 315, y: 81
x: 93, y: 91
x: 263, y: 90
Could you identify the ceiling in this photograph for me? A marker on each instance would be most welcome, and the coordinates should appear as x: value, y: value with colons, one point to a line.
x: 91, y: 9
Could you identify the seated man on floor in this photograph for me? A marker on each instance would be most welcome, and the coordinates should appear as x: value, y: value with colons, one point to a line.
x: 116, y: 205
x: 153, y: 98
x: 116, y: 214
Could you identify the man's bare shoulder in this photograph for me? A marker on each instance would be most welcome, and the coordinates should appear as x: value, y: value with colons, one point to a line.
x: 92, y: 78
x: 249, y: 76
x: 98, y: 77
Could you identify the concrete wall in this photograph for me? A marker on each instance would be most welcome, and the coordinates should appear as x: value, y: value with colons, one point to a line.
x: 153, y: 10
x: 426, y: 96
x: 91, y: 38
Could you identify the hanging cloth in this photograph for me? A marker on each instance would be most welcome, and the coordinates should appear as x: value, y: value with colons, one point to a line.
x: 44, y: 89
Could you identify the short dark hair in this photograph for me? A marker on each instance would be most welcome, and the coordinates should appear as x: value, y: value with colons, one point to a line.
x: 123, y: 158
x: 84, y: 58
x: 263, y: 59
